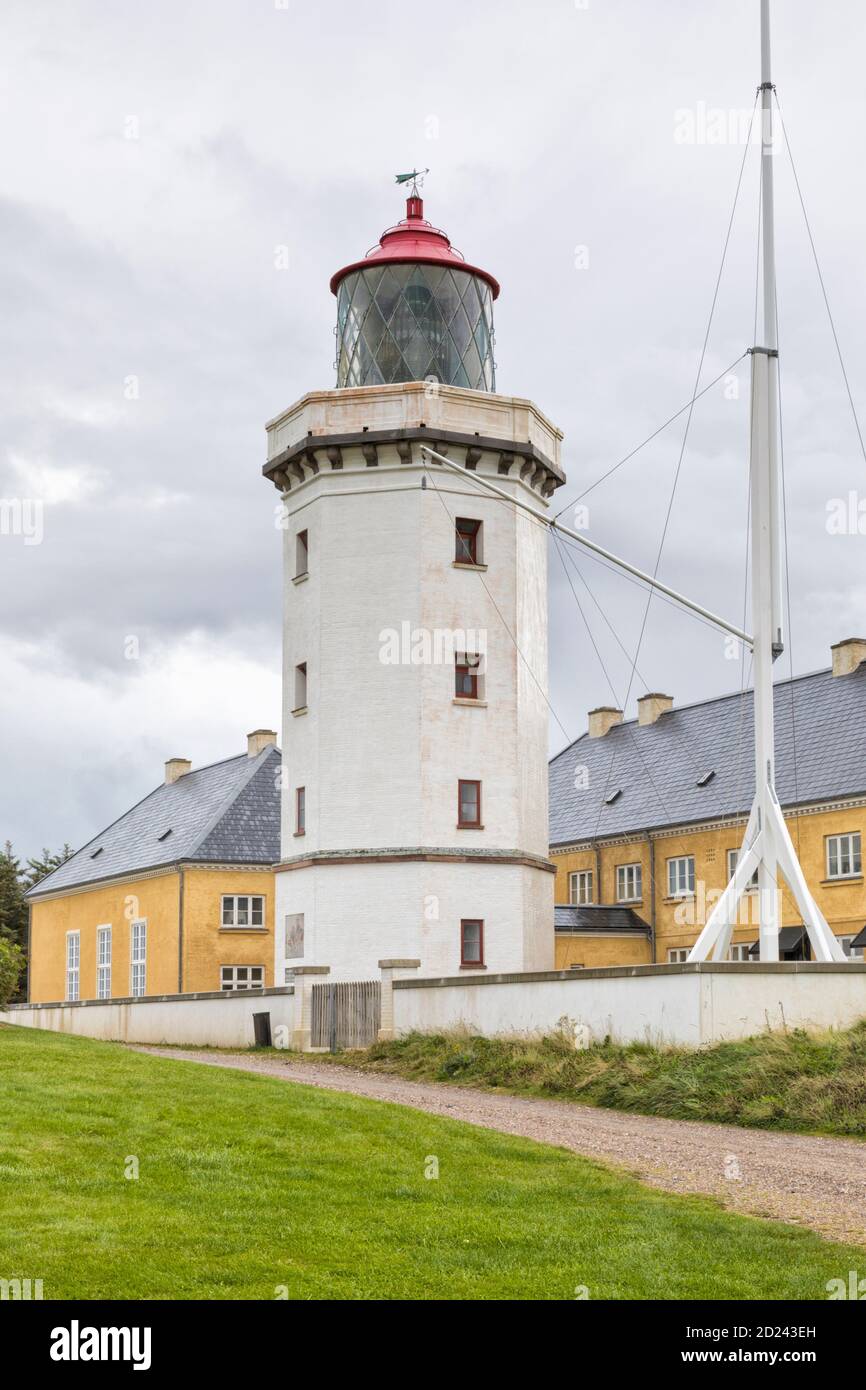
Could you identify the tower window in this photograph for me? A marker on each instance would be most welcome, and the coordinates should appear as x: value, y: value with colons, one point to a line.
x: 300, y: 687
x: 301, y: 554
x: 468, y: 678
x: 471, y: 942
x: 467, y: 541
x: 300, y: 811
x: 469, y: 805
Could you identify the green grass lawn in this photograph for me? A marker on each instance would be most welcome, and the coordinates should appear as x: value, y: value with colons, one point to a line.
x: 811, y: 1083
x: 248, y: 1183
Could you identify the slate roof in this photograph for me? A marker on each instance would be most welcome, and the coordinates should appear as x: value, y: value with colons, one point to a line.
x: 820, y: 756
x: 227, y: 813
x: 595, y: 917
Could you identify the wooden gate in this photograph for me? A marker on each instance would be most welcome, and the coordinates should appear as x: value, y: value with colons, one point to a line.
x: 345, y: 1014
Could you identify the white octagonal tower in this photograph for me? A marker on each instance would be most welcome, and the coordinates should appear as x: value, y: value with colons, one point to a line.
x: 415, y: 635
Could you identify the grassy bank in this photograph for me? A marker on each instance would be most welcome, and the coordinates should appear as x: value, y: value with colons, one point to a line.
x: 794, y: 1081
x: 131, y: 1176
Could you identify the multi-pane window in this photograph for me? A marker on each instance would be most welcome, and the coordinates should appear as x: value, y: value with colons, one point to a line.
x: 733, y: 856
x: 469, y: 804
x: 242, y: 977
x: 851, y: 951
x: 580, y: 887
x: 678, y: 955
x: 302, y: 554
x: 471, y: 941
x: 73, y: 965
x: 681, y: 876
x: 103, y: 962
x: 300, y: 810
x: 467, y: 537
x: 243, y: 910
x: 137, y: 958
x: 740, y: 952
x: 628, y: 883
x: 301, y: 686
x: 467, y: 676
x: 415, y: 323
x: 843, y: 855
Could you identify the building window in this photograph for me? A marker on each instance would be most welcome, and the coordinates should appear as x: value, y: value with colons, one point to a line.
x: 300, y: 687
x: 302, y: 555
x: 469, y: 805
x: 242, y: 977
x: 73, y: 965
x: 843, y: 856
x: 103, y: 962
x: 468, y: 677
x: 300, y: 810
x: 628, y: 883
x: 580, y: 887
x: 852, y: 952
x: 678, y: 955
x: 241, y: 910
x: 681, y: 876
x: 471, y: 941
x: 740, y: 952
x: 467, y: 536
x: 138, y: 958
x: 733, y: 857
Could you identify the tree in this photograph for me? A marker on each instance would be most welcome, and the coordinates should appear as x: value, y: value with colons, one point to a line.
x: 13, y: 908
x: 39, y: 868
x: 11, y: 970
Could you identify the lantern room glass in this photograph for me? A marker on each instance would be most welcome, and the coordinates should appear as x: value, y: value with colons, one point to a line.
x: 415, y: 323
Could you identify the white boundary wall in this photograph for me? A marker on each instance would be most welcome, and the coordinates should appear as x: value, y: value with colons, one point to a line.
x: 689, y: 1005
x: 194, y: 1020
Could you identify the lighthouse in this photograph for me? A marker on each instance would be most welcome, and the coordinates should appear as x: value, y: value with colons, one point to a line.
x: 415, y: 714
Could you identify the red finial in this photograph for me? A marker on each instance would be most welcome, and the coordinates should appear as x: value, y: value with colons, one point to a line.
x: 414, y: 206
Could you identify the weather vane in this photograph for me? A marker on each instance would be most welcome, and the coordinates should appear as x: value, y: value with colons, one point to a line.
x: 415, y: 175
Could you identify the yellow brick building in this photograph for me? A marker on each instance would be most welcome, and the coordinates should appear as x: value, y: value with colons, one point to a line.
x: 175, y: 897
x: 647, y: 816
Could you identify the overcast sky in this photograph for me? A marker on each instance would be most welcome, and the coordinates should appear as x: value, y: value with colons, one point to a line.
x: 155, y: 159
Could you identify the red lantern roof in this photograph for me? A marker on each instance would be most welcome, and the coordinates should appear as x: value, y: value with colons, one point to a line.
x: 414, y: 240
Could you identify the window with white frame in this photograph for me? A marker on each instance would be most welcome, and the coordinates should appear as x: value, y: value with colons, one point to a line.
x: 843, y: 856
x: 137, y: 958
x: 740, y: 952
x: 851, y: 951
x: 580, y: 887
x: 628, y: 883
x: 242, y: 976
x: 103, y: 962
x: 73, y: 965
x: 681, y: 876
x: 733, y: 857
x: 243, y: 910
x: 678, y: 955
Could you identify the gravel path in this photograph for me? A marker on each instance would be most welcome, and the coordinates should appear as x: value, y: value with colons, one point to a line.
x: 820, y: 1183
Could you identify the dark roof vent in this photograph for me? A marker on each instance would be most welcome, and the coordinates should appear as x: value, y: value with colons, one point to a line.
x: 613, y: 796
x: 165, y: 834
x: 706, y: 777
x: 96, y: 852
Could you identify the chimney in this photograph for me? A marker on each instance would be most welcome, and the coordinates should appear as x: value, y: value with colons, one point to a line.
x: 600, y: 720
x: 176, y: 767
x: 848, y: 655
x: 259, y: 739
x: 651, y: 707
